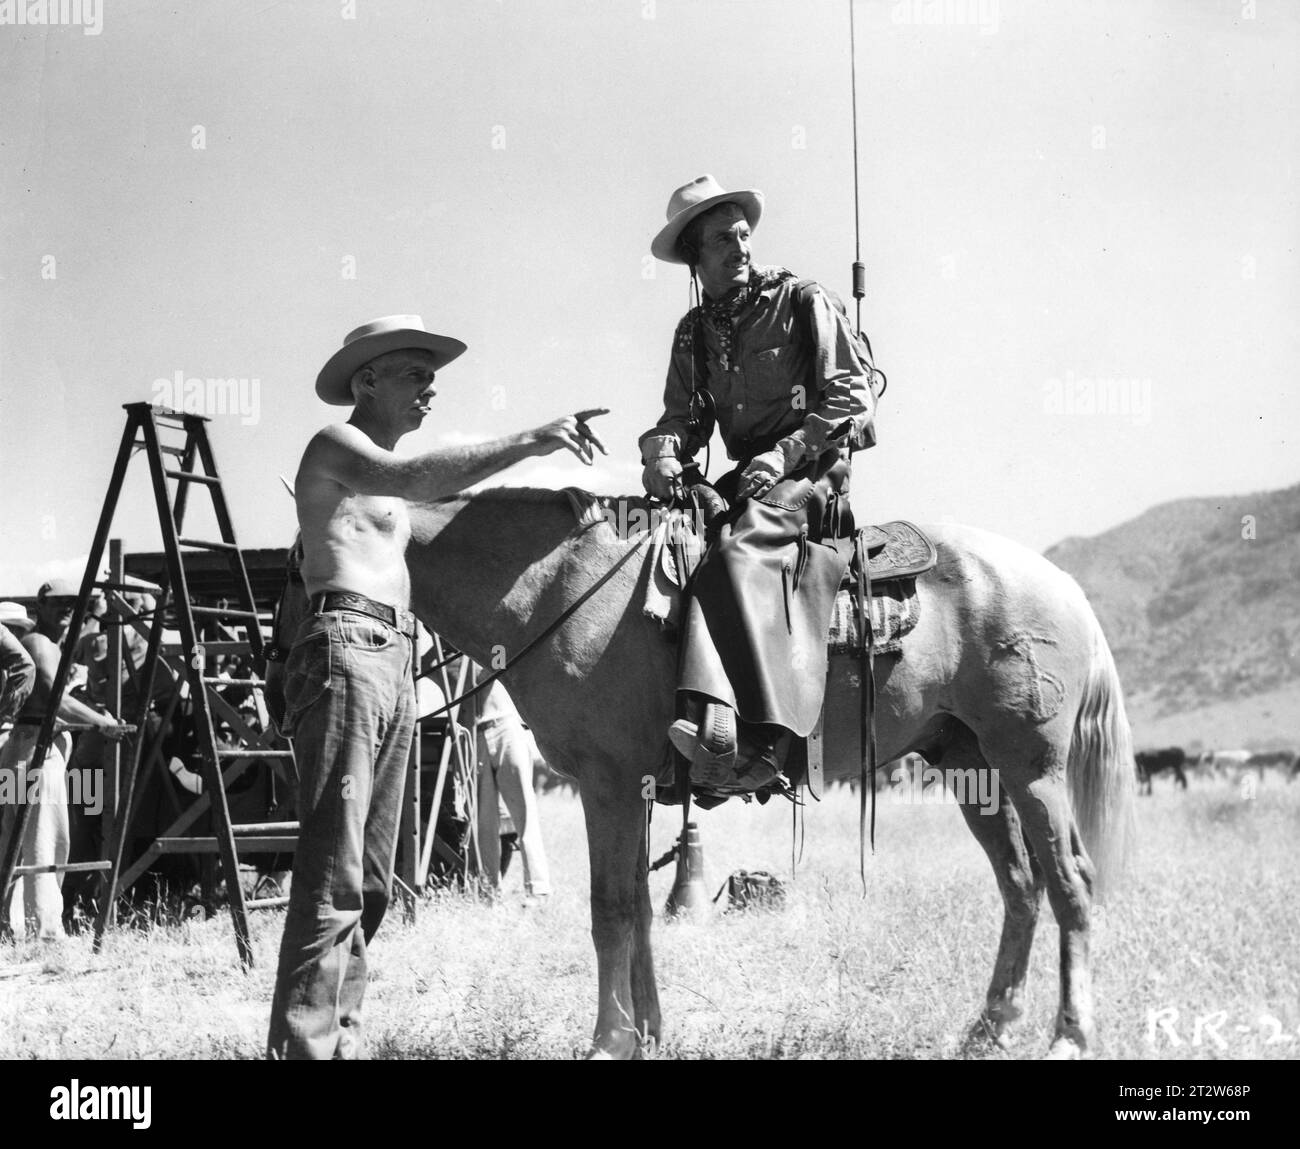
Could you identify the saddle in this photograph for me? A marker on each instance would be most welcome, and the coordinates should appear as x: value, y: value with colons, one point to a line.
x: 896, y: 554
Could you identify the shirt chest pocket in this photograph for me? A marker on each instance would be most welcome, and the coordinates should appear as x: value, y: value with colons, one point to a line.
x: 771, y: 370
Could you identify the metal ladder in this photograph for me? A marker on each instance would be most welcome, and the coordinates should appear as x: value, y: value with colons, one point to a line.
x: 220, y: 765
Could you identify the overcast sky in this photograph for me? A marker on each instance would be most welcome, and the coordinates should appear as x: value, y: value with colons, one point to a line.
x: 1052, y: 194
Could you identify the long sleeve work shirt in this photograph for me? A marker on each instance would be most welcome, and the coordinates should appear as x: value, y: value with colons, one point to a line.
x: 777, y: 378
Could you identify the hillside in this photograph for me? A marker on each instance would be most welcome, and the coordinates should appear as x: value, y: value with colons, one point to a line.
x: 1200, y: 614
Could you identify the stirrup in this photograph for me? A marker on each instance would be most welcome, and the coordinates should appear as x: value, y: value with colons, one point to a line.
x: 764, y: 765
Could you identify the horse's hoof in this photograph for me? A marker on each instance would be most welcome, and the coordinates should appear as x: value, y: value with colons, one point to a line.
x: 988, y: 1031
x: 1065, y: 1049
x: 622, y: 1051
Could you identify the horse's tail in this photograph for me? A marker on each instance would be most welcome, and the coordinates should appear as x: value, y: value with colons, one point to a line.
x: 1101, y: 768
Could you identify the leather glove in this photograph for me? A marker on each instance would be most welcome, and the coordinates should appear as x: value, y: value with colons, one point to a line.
x: 763, y: 472
x: 662, y: 478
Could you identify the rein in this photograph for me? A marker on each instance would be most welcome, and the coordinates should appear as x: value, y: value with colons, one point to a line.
x: 555, y: 625
x: 868, y: 657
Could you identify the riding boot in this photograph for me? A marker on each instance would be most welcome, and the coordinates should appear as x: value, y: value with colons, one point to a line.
x: 706, y: 738
x: 721, y: 761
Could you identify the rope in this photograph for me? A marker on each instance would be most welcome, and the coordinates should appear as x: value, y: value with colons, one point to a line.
x: 693, y: 301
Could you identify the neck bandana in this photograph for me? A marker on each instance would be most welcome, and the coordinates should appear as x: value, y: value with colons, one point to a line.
x: 724, y: 312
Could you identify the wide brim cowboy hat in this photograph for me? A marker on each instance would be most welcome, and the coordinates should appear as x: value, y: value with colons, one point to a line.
x: 378, y: 337
x: 693, y: 199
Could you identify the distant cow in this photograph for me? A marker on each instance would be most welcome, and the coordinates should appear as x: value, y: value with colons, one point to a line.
x: 1153, y: 762
x: 1222, y: 761
x: 1283, y: 761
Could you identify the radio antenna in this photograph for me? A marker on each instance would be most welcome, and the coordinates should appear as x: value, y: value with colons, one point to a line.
x: 859, y: 269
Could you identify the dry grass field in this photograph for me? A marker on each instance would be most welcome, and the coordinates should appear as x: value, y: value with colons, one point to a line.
x: 1206, y: 928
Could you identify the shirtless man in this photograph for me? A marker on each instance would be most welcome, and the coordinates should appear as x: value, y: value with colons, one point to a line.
x: 349, y: 694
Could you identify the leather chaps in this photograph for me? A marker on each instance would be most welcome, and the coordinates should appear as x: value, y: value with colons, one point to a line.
x: 761, y: 599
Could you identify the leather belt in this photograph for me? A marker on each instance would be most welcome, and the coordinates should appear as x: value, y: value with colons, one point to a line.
x: 402, y: 621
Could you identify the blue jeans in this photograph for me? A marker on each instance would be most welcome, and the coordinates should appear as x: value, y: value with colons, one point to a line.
x: 350, y: 710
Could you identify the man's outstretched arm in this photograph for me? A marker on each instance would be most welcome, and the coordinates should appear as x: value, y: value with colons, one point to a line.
x: 45, y: 658
x: 347, y: 455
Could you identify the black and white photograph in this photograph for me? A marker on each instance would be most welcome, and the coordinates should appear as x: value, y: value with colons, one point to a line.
x: 650, y: 530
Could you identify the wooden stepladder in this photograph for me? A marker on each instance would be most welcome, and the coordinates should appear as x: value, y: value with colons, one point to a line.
x: 193, y: 662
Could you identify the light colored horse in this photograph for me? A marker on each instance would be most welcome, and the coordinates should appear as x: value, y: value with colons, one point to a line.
x: 1007, y: 670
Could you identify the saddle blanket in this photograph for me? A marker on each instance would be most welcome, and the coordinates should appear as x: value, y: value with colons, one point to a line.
x: 894, y: 614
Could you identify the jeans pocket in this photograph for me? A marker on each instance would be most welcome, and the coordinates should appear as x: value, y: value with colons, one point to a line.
x: 307, y: 677
x: 360, y: 632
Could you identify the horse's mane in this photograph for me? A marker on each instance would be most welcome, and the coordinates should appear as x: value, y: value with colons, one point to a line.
x: 588, y: 508
x: 529, y: 494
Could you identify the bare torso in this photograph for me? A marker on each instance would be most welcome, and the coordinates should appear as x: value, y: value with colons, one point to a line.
x: 352, y: 542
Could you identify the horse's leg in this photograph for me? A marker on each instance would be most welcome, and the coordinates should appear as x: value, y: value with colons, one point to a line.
x: 620, y: 914
x: 996, y: 826
x: 645, y: 992
x: 1035, y: 779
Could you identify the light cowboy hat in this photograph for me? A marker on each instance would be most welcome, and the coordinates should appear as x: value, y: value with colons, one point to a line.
x: 690, y: 200
x: 13, y: 616
x: 378, y: 337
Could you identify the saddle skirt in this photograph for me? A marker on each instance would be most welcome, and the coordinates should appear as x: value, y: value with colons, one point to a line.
x: 897, y: 550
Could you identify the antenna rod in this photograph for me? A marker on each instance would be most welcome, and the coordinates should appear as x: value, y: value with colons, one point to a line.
x: 859, y: 269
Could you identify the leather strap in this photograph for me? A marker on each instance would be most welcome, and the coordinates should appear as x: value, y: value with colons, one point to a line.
x: 815, y: 750
x: 400, y: 620
x: 867, y: 776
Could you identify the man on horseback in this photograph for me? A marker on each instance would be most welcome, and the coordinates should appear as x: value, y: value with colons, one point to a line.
x: 774, y: 360
x: 349, y: 695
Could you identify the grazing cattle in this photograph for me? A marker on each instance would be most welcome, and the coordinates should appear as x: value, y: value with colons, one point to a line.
x: 1220, y: 762
x: 1283, y: 761
x: 1152, y: 762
